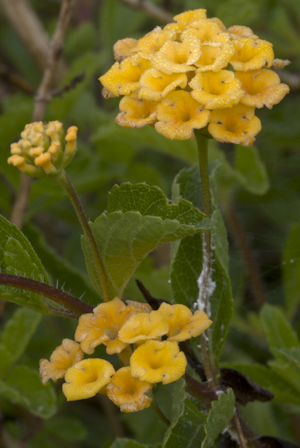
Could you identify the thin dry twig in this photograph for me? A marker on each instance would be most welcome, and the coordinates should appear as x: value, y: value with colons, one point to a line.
x: 239, y: 431
x: 41, y: 100
x: 30, y: 30
x: 151, y: 9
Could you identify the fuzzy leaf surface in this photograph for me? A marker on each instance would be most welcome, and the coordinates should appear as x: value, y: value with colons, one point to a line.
x: 187, y: 426
x: 219, y: 417
x: 24, y: 387
x: 133, y: 227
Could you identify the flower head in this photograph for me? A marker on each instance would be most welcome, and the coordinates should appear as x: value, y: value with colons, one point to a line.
x: 102, y: 327
x: 86, y: 378
x: 179, y: 114
x: 237, y: 124
x: 43, y: 149
x: 178, y: 78
x: 128, y: 392
x: 63, y: 357
x: 158, y: 361
x: 182, y: 323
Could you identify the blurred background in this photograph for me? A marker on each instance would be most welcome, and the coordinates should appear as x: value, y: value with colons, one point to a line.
x: 259, y: 193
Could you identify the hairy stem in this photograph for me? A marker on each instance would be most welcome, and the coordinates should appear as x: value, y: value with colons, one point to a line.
x: 65, y: 183
x: 56, y: 295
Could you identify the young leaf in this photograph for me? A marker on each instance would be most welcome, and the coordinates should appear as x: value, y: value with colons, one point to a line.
x: 24, y: 387
x: 219, y: 417
x: 187, y: 260
x: 291, y: 357
x: 124, y: 239
x: 250, y: 170
x: 187, y: 427
x: 17, y: 334
x: 277, y: 328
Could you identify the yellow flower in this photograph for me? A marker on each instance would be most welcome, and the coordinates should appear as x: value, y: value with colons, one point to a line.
x: 122, y: 48
x: 142, y: 326
x: 123, y: 77
x: 155, y: 85
x: 136, y: 113
x: 177, y: 57
x: 214, y: 58
x: 157, y: 361
x: 102, y: 327
x: 182, y: 323
x: 183, y: 19
x: 140, y: 307
x: 86, y: 378
x: 237, y: 31
x: 237, y: 124
x: 262, y: 88
x: 207, y: 31
x: 179, y: 114
x: 216, y: 90
x: 127, y: 392
x: 63, y: 357
x: 42, y: 149
x: 153, y: 41
x: 251, y: 54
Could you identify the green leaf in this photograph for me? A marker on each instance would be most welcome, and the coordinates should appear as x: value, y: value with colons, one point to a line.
x: 10, y: 231
x: 277, y: 328
x: 6, y: 359
x: 187, y: 426
x: 128, y: 443
x: 125, y: 238
x: 60, y: 269
x: 291, y: 357
x: 250, y: 170
x: 24, y: 387
x: 187, y: 260
x: 70, y: 429
x: 291, y: 269
x: 17, y: 334
x: 219, y: 417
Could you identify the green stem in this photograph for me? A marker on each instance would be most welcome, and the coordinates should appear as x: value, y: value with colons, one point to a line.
x: 156, y: 409
x: 204, y: 280
x: 65, y: 183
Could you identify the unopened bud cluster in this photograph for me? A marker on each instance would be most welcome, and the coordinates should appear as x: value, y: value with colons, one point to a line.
x: 43, y: 148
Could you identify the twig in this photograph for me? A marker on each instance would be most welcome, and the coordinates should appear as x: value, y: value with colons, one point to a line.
x: 151, y: 9
x: 238, y: 234
x: 72, y: 84
x: 239, y: 431
x: 41, y: 100
x: 30, y: 30
x: 14, y: 78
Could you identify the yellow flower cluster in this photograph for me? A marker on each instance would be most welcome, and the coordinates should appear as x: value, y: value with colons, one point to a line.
x: 192, y: 74
x: 43, y: 149
x: 134, y: 332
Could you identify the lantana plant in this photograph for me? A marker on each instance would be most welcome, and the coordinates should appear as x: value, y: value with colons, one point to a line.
x: 192, y: 78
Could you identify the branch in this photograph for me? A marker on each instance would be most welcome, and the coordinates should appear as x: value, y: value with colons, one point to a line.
x: 151, y: 9
x: 30, y: 30
x: 56, y: 295
x: 42, y: 98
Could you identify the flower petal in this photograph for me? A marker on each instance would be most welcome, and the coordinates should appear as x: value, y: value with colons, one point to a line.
x: 136, y: 113
x: 143, y: 326
x: 251, y: 54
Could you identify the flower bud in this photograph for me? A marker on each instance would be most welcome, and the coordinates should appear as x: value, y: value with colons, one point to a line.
x: 43, y: 148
